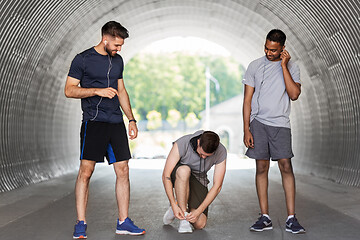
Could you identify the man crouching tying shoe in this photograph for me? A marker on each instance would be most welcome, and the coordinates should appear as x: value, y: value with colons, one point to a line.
x: 186, y: 167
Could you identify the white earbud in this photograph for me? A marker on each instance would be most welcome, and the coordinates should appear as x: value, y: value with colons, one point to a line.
x: 105, y: 42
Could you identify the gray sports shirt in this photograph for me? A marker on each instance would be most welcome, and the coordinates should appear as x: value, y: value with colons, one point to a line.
x: 270, y: 103
x: 199, y: 167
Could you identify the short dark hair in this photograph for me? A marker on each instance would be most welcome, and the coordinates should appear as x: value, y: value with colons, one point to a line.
x: 114, y: 29
x: 276, y: 35
x: 209, y: 141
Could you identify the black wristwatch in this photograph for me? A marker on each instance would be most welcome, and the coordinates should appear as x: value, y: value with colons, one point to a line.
x: 132, y: 120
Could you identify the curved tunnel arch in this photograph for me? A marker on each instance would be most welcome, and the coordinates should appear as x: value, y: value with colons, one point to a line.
x: 40, y: 127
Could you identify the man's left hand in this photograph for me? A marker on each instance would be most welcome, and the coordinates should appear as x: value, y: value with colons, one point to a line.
x: 133, y: 131
x: 193, y: 216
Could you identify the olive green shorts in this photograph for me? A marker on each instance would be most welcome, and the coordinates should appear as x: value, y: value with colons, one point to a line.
x: 197, y: 192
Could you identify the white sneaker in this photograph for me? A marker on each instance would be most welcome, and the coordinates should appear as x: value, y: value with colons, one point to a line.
x: 168, y: 216
x: 185, y: 226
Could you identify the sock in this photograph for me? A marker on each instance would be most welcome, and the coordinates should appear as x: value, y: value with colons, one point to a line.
x: 121, y: 222
x: 290, y: 216
x: 267, y: 216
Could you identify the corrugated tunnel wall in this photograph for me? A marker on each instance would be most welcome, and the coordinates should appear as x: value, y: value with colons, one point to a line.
x: 40, y: 128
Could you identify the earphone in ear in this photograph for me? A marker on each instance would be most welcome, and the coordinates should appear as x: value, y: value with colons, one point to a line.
x: 105, y: 42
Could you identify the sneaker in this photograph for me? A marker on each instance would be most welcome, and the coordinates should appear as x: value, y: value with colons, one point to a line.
x: 168, y: 216
x: 293, y: 226
x: 128, y: 227
x: 263, y: 223
x: 80, y: 230
x: 185, y: 226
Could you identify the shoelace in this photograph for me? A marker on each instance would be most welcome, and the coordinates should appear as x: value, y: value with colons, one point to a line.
x: 80, y: 227
x: 132, y: 223
x: 261, y: 219
x: 294, y: 222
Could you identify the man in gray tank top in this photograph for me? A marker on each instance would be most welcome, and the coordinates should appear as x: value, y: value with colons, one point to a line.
x: 186, y: 167
x: 270, y: 83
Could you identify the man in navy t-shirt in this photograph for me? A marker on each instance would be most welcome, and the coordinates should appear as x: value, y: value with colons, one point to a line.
x: 99, y: 71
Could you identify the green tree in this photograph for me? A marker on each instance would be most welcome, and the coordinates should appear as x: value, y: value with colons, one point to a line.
x: 173, y: 117
x: 229, y: 74
x: 191, y: 120
x: 162, y: 82
x: 154, y: 120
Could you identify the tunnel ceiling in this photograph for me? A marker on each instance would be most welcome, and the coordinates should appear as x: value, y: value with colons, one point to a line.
x: 40, y: 128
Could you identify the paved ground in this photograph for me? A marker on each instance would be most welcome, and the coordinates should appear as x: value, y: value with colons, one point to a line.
x: 46, y: 210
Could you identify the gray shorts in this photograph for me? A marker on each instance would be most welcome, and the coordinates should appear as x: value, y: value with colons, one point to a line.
x: 270, y: 142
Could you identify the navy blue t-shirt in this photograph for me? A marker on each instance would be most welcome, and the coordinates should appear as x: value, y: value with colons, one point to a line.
x: 91, y: 68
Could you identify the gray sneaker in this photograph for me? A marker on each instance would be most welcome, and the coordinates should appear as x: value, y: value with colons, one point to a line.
x: 185, y: 226
x: 168, y: 216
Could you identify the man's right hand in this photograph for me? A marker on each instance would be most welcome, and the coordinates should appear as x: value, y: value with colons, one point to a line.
x: 179, y: 214
x: 106, y: 92
x: 248, y: 139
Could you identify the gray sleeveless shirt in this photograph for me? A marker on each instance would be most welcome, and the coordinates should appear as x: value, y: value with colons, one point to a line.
x: 199, y: 167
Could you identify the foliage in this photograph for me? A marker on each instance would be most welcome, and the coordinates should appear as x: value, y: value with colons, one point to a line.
x: 173, y: 117
x: 154, y: 120
x: 191, y: 120
x: 177, y: 81
x: 229, y: 75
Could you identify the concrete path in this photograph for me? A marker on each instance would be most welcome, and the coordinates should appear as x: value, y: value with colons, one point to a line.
x: 47, y: 210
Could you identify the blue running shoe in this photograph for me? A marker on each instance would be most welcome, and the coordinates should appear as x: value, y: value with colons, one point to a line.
x: 80, y: 230
x: 293, y: 226
x: 128, y: 227
x: 263, y: 223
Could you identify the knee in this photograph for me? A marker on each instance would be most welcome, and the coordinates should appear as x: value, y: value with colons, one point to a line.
x: 183, y: 173
x: 122, y: 170
x: 286, y: 168
x: 85, y: 174
x: 262, y: 168
x: 200, y: 224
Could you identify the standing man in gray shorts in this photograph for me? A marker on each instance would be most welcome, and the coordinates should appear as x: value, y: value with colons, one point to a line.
x: 186, y: 167
x: 270, y: 83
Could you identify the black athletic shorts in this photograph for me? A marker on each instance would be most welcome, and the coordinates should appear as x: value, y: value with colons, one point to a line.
x: 102, y: 139
x: 197, y: 192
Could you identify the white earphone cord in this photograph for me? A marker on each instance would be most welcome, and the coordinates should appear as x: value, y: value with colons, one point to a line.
x: 108, y: 85
x: 262, y: 82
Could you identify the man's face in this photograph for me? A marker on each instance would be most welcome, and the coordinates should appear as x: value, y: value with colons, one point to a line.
x: 273, y: 50
x: 113, y: 45
x: 201, y: 152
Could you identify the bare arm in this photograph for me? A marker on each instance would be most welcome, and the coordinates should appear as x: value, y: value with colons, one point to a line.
x: 293, y: 89
x: 248, y: 94
x: 218, y: 179
x: 73, y: 90
x: 170, y: 164
x: 126, y: 107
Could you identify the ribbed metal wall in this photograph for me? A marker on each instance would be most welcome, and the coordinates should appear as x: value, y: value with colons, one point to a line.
x: 39, y: 129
